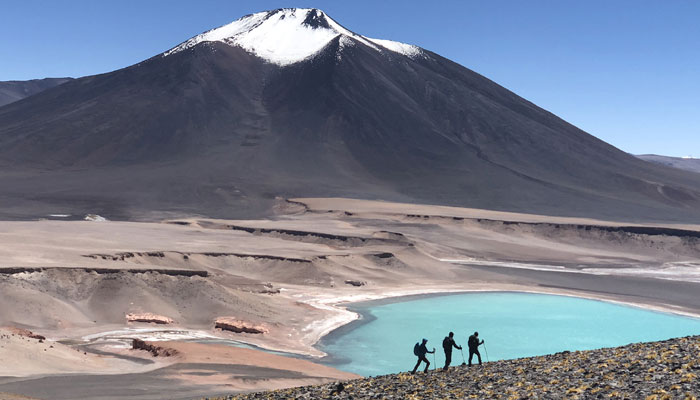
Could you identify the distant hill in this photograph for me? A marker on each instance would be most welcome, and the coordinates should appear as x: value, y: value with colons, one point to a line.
x: 688, y: 164
x: 11, y: 91
x: 289, y: 103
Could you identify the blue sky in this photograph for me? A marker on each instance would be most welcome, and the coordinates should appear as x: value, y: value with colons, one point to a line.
x: 626, y: 71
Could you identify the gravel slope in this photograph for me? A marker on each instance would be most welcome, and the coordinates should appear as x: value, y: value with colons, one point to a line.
x: 658, y: 370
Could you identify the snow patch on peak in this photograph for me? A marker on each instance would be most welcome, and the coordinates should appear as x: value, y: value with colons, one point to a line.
x: 287, y: 36
x: 281, y: 37
x: 342, y: 44
x: 398, y: 47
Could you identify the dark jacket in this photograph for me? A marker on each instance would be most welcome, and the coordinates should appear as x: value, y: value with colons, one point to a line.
x: 422, y: 350
x: 474, y: 342
x: 448, y: 343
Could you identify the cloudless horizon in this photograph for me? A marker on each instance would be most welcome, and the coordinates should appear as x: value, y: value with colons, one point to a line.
x: 627, y: 72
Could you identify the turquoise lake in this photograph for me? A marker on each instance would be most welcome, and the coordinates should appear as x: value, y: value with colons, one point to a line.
x: 513, y: 325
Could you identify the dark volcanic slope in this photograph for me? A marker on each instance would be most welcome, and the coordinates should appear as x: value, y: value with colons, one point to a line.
x: 688, y: 164
x: 11, y: 91
x: 215, y: 130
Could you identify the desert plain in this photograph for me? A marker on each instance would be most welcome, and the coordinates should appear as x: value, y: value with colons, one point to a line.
x: 238, y: 305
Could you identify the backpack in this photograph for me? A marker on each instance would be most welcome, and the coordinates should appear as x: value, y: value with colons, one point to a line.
x: 446, y: 343
x: 416, y: 349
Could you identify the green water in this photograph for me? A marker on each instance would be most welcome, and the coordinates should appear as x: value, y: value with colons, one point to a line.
x: 513, y: 325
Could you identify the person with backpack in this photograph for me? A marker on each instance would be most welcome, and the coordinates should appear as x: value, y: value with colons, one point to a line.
x: 420, y: 350
x: 474, y: 343
x: 447, y: 343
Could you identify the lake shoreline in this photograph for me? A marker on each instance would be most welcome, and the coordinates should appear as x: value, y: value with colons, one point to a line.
x: 361, y: 309
x: 558, y: 313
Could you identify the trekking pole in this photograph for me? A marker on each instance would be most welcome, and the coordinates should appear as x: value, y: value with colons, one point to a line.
x: 434, y: 362
x: 463, y: 361
x: 487, y: 353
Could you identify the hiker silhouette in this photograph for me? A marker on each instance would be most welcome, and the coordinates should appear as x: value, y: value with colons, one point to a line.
x: 420, y: 350
x: 474, y: 343
x: 447, y: 343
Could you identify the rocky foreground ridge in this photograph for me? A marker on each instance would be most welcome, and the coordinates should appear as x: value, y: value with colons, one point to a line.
x: 652, y: 371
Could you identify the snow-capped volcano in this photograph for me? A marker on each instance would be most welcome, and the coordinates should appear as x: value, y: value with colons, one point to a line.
x: 290, y: 103
x: 287, y: 36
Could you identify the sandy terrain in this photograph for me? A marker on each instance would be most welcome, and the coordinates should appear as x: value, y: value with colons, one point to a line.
x: 10, y: 396
x: 21, y: 356
x: 196, y: 370
x: 76, y: 282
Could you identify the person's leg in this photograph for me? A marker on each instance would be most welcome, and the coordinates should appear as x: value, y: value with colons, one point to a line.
x: 427, y: 363
x: 478, y: 355
x: 448, y: 359
x: 417, y: 364
x: 471, y: 354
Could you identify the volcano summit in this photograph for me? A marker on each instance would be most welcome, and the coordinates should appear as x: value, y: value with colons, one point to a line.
x: 289, y: 103
x: 284, y: 37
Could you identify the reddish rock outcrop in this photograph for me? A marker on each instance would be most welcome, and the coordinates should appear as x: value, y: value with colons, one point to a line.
x: 148, y: 317
x: 156, y: 351
x: 239, y: 326
x: 26, y: 333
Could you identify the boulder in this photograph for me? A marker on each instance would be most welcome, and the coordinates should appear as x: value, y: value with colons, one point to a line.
x: 239, y: 326
x: 148, y: 317
x: 156, y: 351
x: 26, y: 333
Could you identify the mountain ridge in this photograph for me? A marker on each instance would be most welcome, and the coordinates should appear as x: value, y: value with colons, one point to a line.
x: 11, y: 91
x: 685, y: 163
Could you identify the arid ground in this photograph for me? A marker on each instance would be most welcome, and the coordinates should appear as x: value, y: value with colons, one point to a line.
x: 91, y: 287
